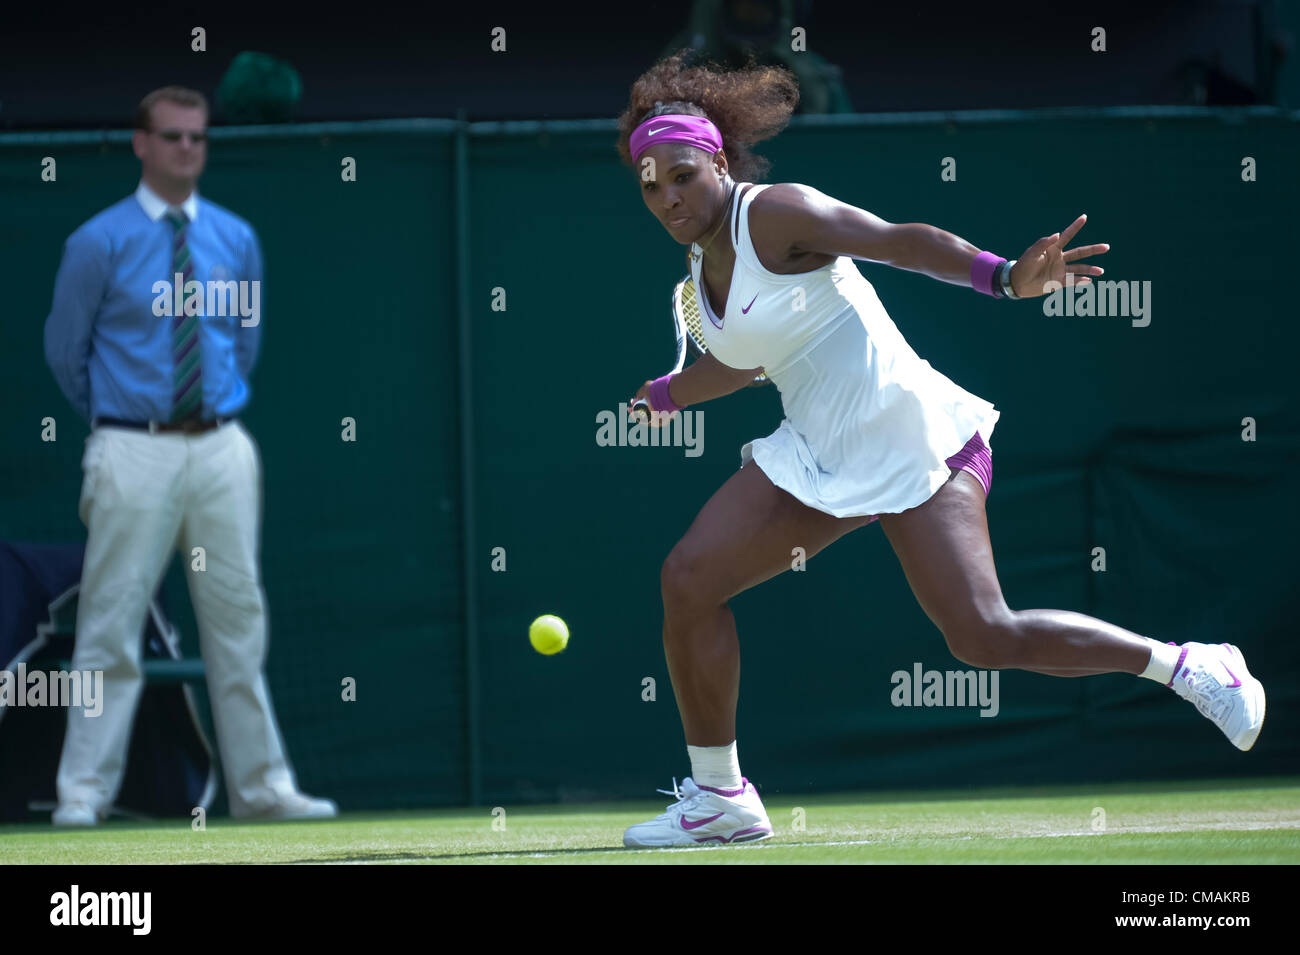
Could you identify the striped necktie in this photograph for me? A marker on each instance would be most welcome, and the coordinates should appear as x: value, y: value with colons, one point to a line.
x: 187, y: 379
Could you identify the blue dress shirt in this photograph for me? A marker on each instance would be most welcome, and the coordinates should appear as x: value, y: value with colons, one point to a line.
x: 109, y: 351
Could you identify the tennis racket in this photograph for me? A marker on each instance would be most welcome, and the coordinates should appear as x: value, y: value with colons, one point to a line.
x: 690, y: 336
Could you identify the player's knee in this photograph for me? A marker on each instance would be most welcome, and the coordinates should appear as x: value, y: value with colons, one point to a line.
x: 973, y: 648
x: 684, y: 579
x: 986, y: 641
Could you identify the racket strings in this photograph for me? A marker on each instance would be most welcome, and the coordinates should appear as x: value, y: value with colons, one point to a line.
x: 691, y: 316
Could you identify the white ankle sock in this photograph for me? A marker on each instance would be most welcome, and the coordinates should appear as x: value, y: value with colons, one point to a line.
x: 715, y: 766
x: 1164, y: 660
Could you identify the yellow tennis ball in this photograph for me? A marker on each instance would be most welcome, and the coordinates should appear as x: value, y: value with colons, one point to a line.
x: 548, y: 634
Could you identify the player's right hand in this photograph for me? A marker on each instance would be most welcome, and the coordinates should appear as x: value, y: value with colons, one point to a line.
x: 657, y: 418
x: 642, y: 392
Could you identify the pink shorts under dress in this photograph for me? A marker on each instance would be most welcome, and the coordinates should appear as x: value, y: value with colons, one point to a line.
x: 977, y: 458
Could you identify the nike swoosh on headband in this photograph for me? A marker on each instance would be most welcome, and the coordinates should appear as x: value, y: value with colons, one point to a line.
x: 651, y: 132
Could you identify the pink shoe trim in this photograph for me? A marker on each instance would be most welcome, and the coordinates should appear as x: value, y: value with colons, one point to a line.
x: 729, y: 793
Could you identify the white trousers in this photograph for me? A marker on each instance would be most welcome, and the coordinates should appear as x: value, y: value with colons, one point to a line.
x: 143, y: 495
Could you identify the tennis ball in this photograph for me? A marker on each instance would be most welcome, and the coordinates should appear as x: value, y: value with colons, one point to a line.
x: 548, y: 634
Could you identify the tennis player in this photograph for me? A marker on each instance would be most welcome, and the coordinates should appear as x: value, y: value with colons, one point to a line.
x: 871, y: 431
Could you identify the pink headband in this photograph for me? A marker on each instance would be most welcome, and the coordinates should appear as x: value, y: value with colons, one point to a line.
x: 675, y: 128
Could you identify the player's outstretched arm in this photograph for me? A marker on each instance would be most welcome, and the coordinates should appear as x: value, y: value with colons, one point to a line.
x: 948, y: 258
x: 816, y: 222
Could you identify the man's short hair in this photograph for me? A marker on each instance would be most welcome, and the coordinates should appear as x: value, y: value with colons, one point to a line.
x: 172, y: 94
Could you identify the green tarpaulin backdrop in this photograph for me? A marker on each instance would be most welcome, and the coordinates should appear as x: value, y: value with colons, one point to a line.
x: 1112, y: 436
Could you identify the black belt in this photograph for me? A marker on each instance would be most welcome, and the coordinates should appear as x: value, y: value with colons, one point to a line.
x: 188, y: 426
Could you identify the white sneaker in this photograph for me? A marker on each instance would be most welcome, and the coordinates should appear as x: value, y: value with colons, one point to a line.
x: 1214, y: 678
x: 297, y: 806
x: 74, y: 814
x: 703, y: 814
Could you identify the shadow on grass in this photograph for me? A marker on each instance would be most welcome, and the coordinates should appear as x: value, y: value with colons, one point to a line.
x: 509, y: 853
x: 433, y: 856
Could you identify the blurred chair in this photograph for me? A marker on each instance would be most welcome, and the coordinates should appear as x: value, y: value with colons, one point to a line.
x: 170, y: 766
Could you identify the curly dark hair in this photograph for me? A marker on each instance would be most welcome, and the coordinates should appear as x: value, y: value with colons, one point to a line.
x: 747, y: 105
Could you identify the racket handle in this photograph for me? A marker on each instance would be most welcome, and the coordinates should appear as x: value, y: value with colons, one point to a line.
x: 641, y: 408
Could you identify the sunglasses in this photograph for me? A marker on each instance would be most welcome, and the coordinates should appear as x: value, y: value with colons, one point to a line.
x: 174, y: 135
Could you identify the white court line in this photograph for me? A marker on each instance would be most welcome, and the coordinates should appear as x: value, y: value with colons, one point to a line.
x: 769, y: 844
x: 1192, y: 827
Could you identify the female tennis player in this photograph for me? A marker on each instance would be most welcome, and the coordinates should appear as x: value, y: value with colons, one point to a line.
x: 871, y: 431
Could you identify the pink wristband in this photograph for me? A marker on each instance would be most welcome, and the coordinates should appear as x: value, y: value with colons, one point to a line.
x: 659, y: 397
x: 982, y: 271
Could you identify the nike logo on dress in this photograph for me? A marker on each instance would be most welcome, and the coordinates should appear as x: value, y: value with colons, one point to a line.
x: 745, y: 310
x: 702, y: 822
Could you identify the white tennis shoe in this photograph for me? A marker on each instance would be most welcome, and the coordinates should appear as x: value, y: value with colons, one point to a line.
x: 704, y: 815
x: 1214, y: 678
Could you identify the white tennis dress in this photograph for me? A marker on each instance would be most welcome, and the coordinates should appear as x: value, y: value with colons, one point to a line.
x: 868, y: 423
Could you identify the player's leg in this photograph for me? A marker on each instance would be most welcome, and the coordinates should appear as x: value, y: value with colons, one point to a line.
x: 745, y: 534
x: 944, y: 549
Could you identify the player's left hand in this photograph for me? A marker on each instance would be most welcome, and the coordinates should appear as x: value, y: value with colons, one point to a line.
x: 1047, y: 261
